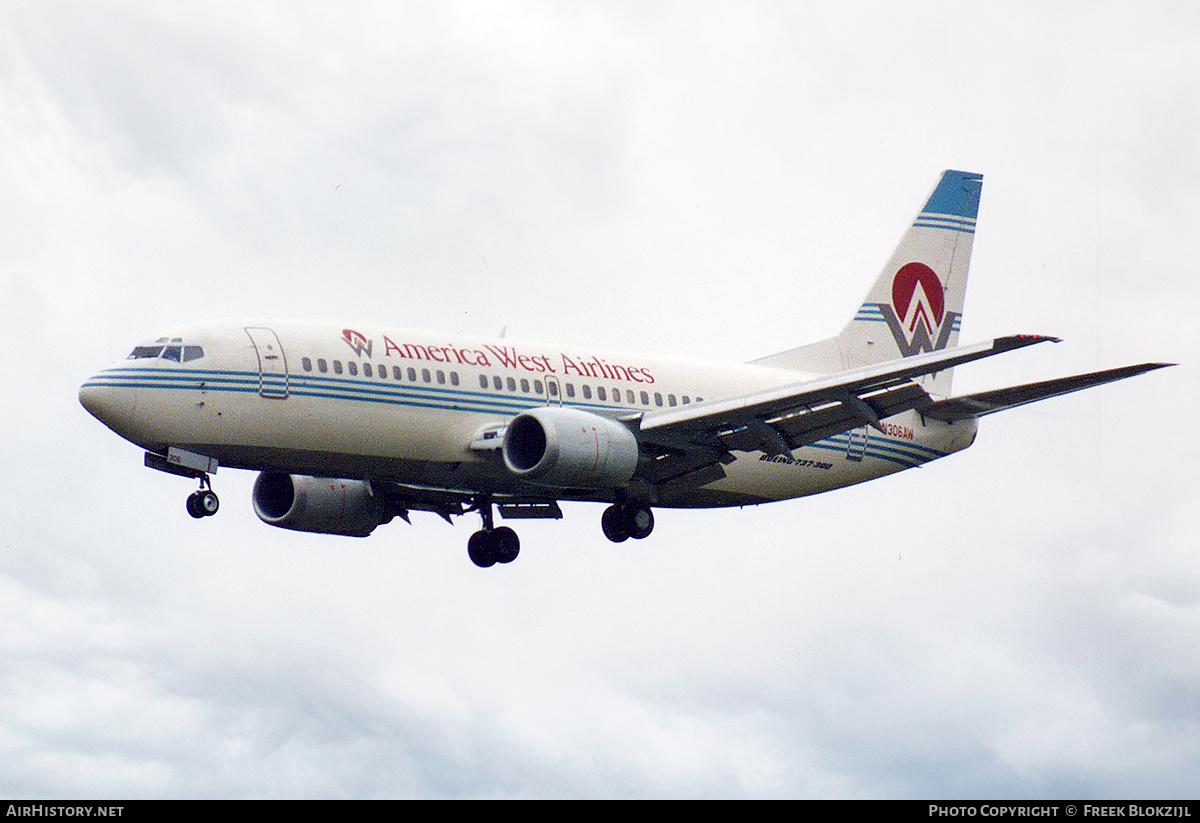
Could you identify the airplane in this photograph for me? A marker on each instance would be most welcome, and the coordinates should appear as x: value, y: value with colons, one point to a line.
x: 352, y: 427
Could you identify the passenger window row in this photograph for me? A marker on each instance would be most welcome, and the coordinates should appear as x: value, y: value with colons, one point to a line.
x: 601, y: 392
x: 380, y: 371
x: 500, y: 384
x: 496, y: 383
x: 630, y: 397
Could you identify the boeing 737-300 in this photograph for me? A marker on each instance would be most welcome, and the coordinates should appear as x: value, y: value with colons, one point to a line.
x: 352, y: 427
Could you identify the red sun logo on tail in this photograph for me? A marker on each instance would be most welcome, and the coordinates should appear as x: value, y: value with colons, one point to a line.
x: 917, y: 317
x: 904, y: 289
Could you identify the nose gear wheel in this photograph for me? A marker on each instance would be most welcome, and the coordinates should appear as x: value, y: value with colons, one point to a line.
x: 203, y: 503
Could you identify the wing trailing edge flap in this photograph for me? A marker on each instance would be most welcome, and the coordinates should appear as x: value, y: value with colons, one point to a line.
x: 989, y: 402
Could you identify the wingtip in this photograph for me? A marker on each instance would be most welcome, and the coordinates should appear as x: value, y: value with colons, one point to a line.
x: 1016, y: 341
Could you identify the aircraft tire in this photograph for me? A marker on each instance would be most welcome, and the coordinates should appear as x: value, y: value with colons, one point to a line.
x: 207, y: 502
x: 615, y: 524
x: 506, y: 543
x: 193, y: 505
x: 641, y: 522
x: 482, y: 549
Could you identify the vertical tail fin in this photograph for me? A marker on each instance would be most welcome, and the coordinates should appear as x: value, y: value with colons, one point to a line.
x: 916, y: 304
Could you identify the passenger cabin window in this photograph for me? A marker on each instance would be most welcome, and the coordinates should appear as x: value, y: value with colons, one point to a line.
x: 441, y: 376
x: 412, y: 375
x: 570, y: 390
x: 306, y: 363
x: 453, y: 378
x: 497, y: 383
x: 397, y: 373
x: 525, y: 385
x: 587, y: 392
x: 352, y: 367
x: 600, y: 393
x: 512, y: 384
x: 337, y: 366
x: 367, y: 370
x: 322, y: 366
x: 483, y: 382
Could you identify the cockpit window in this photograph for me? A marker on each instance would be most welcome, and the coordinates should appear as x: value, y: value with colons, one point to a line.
x: 174, y: 353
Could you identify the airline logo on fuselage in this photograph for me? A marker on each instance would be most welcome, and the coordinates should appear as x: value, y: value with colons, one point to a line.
x: 357, y: 341
x: 504, y: 356
x: 917, y: 316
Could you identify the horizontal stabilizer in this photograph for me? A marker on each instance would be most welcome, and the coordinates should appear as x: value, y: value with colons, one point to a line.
x: 977, y: 405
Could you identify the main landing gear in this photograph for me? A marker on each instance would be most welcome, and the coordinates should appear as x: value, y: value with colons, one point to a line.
x: 622, y: 521
x: 203, y: 503
x: 491, y: 545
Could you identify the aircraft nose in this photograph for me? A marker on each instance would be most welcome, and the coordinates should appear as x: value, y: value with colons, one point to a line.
x: 114, y: 406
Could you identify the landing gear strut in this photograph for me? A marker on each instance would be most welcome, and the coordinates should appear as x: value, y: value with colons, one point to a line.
x: 203, y: 503
x: 622, y: 521
x: 491, y: 545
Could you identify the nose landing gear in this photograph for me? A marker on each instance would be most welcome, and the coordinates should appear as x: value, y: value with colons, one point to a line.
x: 203, y: 503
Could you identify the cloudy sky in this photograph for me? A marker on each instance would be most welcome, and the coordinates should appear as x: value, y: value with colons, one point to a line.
x: 721, y: 180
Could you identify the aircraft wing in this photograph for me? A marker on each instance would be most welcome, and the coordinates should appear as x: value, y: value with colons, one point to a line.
x: 977, y: 405
x: 690, y: 443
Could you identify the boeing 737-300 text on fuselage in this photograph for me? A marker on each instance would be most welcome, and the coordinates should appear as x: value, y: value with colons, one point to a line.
x: 351, y: 427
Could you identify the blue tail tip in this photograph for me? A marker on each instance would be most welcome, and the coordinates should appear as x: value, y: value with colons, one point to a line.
x: 957, y: 194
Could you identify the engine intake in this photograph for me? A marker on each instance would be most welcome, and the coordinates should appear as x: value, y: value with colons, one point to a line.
x: 570, y: 448
x: 318, y: 504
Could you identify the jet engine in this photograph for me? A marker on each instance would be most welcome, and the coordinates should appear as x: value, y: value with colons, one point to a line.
x: 570, y: 448
x: 318, y: 504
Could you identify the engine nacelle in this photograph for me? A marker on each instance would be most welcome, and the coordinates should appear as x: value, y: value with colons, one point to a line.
x: 570, y: 448
x: 318, y: 504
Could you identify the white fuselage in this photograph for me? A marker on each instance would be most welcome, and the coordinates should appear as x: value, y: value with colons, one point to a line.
x: 418, y: 408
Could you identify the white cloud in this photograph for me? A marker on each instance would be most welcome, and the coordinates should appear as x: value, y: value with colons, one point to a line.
x: 716, y: 180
